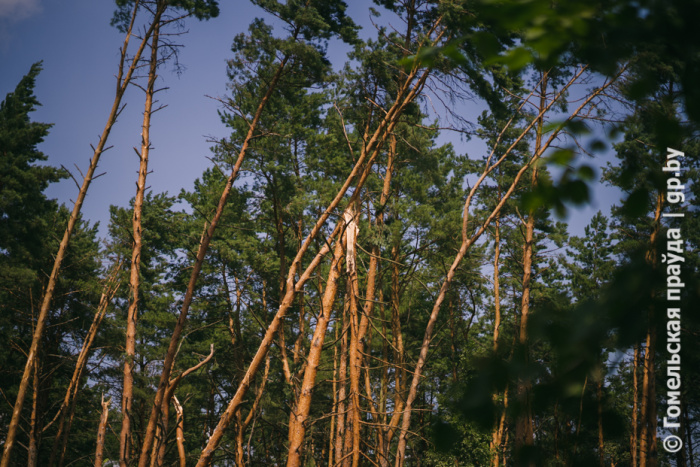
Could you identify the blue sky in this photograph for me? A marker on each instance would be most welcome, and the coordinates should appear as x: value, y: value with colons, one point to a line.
x: 79, y: 50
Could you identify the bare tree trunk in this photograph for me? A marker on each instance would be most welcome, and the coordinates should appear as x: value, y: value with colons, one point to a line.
x: 101, y: 432
x: 342, y: 372
x: 354, y: 352
x: 137, y: 236
x: 334, y: 408
x: 161, y: 444
x: 523, y: 422
x: 124, y: 76
x: 300, y: 410
x: 180, y: 433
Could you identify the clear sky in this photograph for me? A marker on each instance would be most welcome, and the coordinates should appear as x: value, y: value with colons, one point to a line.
x: 80, y: 50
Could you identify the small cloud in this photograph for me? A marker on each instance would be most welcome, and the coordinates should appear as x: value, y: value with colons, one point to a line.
x: 18, y: 9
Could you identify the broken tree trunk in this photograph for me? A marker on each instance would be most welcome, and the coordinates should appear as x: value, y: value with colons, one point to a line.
x: 101, y: 432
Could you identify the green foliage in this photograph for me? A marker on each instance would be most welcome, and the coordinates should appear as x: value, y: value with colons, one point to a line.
x: 200, y: 9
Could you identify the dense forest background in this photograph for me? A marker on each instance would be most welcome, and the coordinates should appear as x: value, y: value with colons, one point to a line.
x: 343, y: 286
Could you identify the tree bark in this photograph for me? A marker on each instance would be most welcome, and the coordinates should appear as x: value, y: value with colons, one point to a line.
x: 300, y: 410
x: 180, y: 433
x: 243, y: 424
x: 137, y: 236
x: 354, y: 352
x: 342, y: 373
x: 101, y: 432
x: 523, y: 422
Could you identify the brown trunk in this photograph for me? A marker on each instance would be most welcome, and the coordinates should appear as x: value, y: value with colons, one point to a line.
x: 342, y: 372
x: 635, y: 399
x: 334, y: 409
x: 354, y: 351
x: 398, y: 354
x: 373, y: 410
x: 161, y: 444
x: 300, y: 411
x: 371, y: 282
x: 180, y: 433
x: 101, y: 432
x: 243, y: 424
x: 498, y: 444
x: 157, y: 455
x: 523, y: 421
x: 496, y: 280
x: 123, y: 80
x: 647, y: 437
x: 134, y: 273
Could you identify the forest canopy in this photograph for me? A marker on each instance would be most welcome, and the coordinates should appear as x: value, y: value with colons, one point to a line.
x: 346, y: 284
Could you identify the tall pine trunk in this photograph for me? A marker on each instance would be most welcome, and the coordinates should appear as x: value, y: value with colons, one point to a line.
x: 125, y: 444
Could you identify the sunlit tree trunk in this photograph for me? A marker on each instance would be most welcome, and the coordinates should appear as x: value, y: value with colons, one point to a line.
x: 125, y: 444
x: 354, y: 350
x: 102, y: 431
x: 523, y: 421
x: 180, y: 433
x: 342, y: 382
x: 301, y: 408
